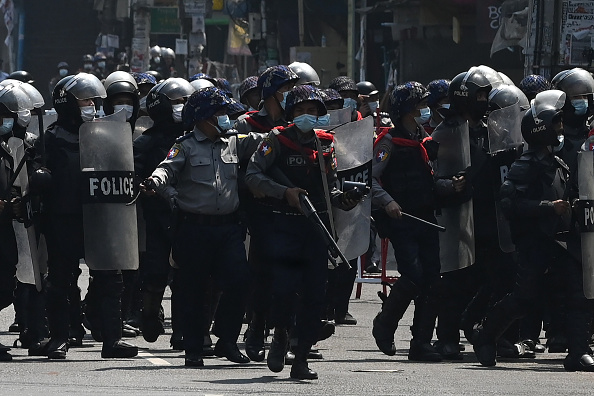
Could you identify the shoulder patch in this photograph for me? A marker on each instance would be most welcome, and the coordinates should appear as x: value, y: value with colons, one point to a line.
x: 174, y: 151
x: 265, y: 147
x: 382, y: 154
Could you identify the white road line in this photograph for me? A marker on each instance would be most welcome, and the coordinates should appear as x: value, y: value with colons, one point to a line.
x: 154, y: 360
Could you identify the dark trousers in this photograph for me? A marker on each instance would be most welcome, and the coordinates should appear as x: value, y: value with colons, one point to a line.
x: 299, y: 268
x: 8, y: 261
x: 154, y: 267
x: 202, y: 252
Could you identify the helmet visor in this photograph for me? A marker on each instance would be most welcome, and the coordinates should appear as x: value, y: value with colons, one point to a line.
x: 85, y: 86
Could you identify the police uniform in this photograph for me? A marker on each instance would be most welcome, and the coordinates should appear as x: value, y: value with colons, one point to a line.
x: 209, y: 237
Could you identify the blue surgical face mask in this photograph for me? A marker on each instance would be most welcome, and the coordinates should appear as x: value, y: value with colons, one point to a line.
x: 63, y: 72
x: 283, y: 102
x: 101, y: 65
x: 323, y: 120
x: 373, y: 106
x: 580, y: 106
x: 6, y: 127
x: 305, y: 122
x: 351, y: 103
x: 425, y: 115
x: 224, y: 122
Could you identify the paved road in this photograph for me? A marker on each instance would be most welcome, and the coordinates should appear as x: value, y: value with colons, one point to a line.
x: 352, y: 365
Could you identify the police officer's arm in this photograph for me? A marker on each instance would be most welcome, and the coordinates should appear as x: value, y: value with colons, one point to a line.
x: 248, y: 143
x: 262, y: 159
x: 379, y: 196
x: 167, y: 171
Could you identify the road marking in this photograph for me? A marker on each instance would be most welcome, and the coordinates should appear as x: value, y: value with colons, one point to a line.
x: 379, y: 371
x: 154, y: 360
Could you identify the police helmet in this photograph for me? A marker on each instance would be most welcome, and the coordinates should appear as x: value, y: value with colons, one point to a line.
x: 21, y: 75
x: 246, y: 86
x: 158, y: 77
x: 506, y: 80
x: 534, y: 84
x: 99, y: 56
x: 16, y: 100
x: 538, y: 121
x: 366, y: 88
x: 343, y: 83
x: 144, y: 78
x: 507, y: 95
x: 167, y: 53
x: 465, y: 87
x: 273, y: 78
x: 438, y: 90
x: 34, y: 94
x: 87, y: 58
x: 223, y: 84
x: 203, y: 104
x: 201, y: 83
x: 158, y: 100
x: 331, y: 96
x: 155, y: 51
x: 304, y: 93
x: 72, y: 88
x: 235, y: 108
x: 405, y: 98
x: 574, y: 82
x: 121, y: 82
x: 307, y: 74
x: 200, y: 76
x: 63, y: 65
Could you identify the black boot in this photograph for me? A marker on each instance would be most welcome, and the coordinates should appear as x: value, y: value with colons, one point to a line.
x: 4, y: 355
x: 151, y: 325
x: 579, y: 363
x: 394, y: 307
x: 278, y: 349
x: 58, y: 321
x: 254, y: 339
x: 421, y: 349
x: 111, y: 320
x: 300, y: 370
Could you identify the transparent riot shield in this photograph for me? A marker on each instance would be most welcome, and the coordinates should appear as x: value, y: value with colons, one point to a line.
x: 504, y: 128
x: 353, y: 143
x: 106, y: 160
x: 456, y: 244
x: 585, y: 218
x: 142, y: 124
x: 340, y: 116
x: 28, y: 267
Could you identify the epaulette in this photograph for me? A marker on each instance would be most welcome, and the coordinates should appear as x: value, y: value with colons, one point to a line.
x: 183, y: 137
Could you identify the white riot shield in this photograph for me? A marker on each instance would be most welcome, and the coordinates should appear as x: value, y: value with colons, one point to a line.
x: 107, y: 164
x: 456, y: 244
x: 142, y: 124
x: 28, y: 267
x: 340, y: 116
x: 586, y: 218
x: 353, y: 143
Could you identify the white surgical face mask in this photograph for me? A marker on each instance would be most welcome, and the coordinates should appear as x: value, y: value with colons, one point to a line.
x: 87, y: 113
x: 177, y: 112
x: 24, y: 117
x: 127, y: 108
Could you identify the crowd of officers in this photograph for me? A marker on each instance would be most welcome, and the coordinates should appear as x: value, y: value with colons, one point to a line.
x: 494, y: 163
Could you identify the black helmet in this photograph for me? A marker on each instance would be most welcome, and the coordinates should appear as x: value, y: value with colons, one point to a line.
x: 574, y: 82
x: 465, y: 87
x: 63, y: 65
x: 366, y: 88
x: 158, y: 100
x: 201, y: 83
x: 343, y: 83
x: 21, y: 75
x: 19, y: 99
x: 72, y: 88
x: 304, y: 93
x: 87, y: 58
x: 121, y: 82
x: 307, y: 74
x: 156, y: 74
x: 507, y: 95
x: 538, y: 121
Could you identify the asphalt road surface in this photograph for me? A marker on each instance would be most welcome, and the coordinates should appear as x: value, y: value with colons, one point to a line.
x: 352, y: 365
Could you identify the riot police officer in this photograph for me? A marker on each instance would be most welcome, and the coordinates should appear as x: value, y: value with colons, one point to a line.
x: 74, y: 100
x: 297, y: 254
x: 403, y: 181
x: 533, y: 84
x: 437, y: 99
x: 534, y: 198
x: 249, y: 94
x: 165, y: 102
x: 209, y: 237
x: 347, y: 88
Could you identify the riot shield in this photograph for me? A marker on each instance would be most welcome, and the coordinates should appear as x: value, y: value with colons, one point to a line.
x: 106, y: 160
x: 28, y: 267
x: 142, y: 124
x: 48, y: 119
x: 340, y: 116
x: 456, y: 244
x: 353, y: 143
x: 504, y: 128
x: 586, y: 218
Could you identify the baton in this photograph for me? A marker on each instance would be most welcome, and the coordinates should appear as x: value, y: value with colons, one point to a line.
x: 440, y: 228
